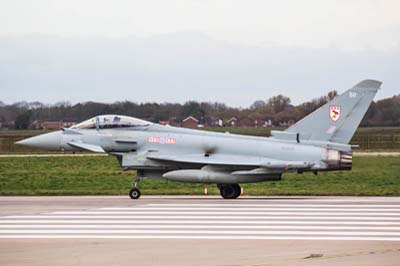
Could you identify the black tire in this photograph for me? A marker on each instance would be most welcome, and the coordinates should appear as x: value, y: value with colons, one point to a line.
x: 228, y: 191
x: 134, y: 193
x: 238, y: 190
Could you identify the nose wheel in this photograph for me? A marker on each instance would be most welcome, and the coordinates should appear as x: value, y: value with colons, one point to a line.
x: 229, y: 191
x: 134, y: 193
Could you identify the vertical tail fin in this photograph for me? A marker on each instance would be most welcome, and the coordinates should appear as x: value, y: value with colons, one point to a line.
x: 337, y: 120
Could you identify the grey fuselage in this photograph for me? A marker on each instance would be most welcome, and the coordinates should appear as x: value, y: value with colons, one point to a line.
x: 318, y: 142
x: 133, y: 145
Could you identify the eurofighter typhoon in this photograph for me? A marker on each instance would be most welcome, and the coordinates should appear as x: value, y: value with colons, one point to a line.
x: 318, y: 142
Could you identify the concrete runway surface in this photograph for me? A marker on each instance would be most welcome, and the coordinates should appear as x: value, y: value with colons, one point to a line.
x: 202, y: 230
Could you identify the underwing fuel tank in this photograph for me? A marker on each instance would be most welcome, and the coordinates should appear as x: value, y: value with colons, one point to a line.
x: 201, y: 176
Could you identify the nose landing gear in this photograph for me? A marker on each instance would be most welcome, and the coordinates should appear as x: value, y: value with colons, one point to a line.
x: 229, y: 191
x: 134, y: 193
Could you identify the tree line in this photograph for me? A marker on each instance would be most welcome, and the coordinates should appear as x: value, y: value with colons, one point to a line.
x: 20, y: 115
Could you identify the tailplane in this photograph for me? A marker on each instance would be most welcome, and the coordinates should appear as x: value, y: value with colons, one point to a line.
x: 337, y: 120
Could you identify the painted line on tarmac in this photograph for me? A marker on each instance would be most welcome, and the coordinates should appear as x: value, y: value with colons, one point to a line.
x: 195, y: 232
x: 247, y: 217
x: 239, y: 204
x: 373, y: 153
x: 238, y: 208
x: 221, y: 212
x: 184, y: 226
x: 137, y: 222
x: 273, y: 199
x: 209, y: 237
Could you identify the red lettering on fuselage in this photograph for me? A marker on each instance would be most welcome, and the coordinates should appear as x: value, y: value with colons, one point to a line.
x: 161, y: 140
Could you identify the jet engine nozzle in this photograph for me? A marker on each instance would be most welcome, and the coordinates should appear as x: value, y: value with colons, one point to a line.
x: 339, y: 160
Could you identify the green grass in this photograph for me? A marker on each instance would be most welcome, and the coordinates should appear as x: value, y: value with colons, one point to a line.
x: 378, y: 176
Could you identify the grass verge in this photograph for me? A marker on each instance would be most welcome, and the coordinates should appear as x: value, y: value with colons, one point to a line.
x: 371, y: 176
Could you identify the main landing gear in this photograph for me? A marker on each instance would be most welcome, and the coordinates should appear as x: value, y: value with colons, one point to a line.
x: 229, y: 191
x: 134, y: 193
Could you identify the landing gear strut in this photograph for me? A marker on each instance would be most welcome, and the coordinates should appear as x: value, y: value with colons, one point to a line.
x: 229, y: 191
x: 134, y: 193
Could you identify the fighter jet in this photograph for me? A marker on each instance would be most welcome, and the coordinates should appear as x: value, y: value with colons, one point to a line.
x: 318, y: 142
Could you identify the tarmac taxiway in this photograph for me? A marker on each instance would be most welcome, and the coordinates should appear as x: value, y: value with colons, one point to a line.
x: 201, y: 230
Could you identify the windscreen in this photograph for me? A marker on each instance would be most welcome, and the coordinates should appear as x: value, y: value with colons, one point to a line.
x: 111, y: 121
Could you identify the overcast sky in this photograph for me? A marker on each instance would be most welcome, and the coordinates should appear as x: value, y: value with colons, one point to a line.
x: 228, y: 51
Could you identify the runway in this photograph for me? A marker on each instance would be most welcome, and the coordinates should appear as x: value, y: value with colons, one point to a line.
x: 183, y: 230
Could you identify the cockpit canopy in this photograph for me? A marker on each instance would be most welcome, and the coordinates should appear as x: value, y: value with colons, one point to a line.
x: 111, y: 121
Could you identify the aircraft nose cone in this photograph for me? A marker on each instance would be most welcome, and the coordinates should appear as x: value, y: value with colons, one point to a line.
x: 49, y: 141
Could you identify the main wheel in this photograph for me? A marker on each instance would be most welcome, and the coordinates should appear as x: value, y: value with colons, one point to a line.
x: 134, y: 193
x: 238, y: 190
x: 229, y: 191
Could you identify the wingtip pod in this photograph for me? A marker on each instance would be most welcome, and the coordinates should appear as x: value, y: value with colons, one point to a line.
x: 368, y: 84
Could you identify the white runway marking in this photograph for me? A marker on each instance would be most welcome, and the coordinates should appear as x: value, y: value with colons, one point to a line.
x: 204, y: 237
x: 133, y: 221
x: 271, y: 204
x: 207, y: 217
x: 216, y: 212
x: 197, y: 232
x: 238, y: 207
x: 181, y: 226
x: 355, y: 221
